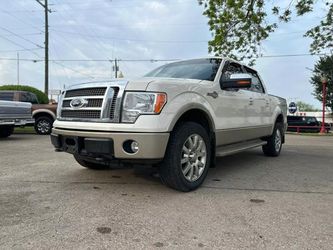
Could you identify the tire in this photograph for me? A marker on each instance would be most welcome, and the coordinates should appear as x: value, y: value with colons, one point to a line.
x: 89, y: 164
x: 184, y: 168
x: 274, y: 142
x: 43, y: 125
x: 6, y: 131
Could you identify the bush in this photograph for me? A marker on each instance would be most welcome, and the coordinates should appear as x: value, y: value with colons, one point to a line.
x: 42, y: 98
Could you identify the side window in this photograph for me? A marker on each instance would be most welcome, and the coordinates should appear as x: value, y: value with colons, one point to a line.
x: 33, y: 98
x: 25, y: 97
x: 231, y: 68
x: 6, y: 96
x: 256, y: 83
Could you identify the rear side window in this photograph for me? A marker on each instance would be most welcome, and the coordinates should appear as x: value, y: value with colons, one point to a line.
x: 256, y: 83
x: 231, y: 68
x: 25, y: 97
x: 33, y: 98
x: 6, y: 96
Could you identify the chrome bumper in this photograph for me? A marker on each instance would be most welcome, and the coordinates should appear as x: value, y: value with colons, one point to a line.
x: 151, y: 145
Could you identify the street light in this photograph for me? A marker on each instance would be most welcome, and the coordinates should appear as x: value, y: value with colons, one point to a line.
x: 324, y: 82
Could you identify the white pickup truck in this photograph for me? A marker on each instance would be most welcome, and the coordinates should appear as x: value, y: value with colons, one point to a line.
x: 179, y: 117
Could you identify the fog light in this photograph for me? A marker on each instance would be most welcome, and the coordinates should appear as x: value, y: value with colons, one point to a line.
x: 135, y: 146
x: 131, y: 147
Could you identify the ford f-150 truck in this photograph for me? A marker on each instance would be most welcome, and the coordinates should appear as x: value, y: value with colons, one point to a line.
x: 13, y: 114
x: 179, y: 117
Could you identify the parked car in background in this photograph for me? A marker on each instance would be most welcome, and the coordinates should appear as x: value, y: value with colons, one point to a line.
x: 303, y: 124
x: 14, y: 114
x: 44, y: 114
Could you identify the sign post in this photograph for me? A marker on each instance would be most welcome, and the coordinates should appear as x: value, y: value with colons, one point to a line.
x: 324, y: 82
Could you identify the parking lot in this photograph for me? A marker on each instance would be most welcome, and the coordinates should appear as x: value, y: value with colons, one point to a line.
x: 248, y: 201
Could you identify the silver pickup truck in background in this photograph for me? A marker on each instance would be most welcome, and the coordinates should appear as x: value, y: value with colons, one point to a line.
x: 14, y: 114
x: 180, y: 117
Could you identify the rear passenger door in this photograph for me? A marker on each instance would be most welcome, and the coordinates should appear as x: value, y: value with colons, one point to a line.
x: 261, y: 116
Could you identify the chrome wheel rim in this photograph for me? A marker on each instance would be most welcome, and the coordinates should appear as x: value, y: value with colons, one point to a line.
x: 43, y: 126
x: 194, y: 157
x: 277, y: 140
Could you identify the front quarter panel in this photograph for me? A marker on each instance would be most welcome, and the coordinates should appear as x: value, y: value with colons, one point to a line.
x: 183, y: 97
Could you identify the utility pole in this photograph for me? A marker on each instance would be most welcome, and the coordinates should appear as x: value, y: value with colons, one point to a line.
x: 46, y: 11
x: 18, y: 68
x: 116, y: 68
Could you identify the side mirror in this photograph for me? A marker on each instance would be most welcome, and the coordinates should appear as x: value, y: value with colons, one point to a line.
x: 237, y: 81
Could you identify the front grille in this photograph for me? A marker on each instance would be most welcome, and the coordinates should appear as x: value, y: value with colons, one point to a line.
x: 85, y: 92
x: 92, y: 103
x: 101, y: 104
x: 82, y: 114
x: 113, y: 103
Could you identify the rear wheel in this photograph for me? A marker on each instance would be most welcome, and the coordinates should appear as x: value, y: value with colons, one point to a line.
x: 6, y: 131
x: 187, y: 159
x: 84, y: 162
x: 274, y: 142
x: 43, y: 125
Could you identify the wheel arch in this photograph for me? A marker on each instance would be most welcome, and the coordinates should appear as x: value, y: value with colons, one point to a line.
x: 201, y: 116
x: 43, y: 112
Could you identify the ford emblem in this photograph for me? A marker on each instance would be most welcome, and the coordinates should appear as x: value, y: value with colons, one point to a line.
x: 78, y: 103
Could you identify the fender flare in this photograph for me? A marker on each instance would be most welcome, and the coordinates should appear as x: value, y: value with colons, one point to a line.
x: 188, y: 107
x: 39, y: 111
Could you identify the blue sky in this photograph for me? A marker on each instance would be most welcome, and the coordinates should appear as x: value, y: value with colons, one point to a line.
x: 136, y: 29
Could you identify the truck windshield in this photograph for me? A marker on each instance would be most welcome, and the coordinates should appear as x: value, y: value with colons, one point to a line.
x: 201, y: 69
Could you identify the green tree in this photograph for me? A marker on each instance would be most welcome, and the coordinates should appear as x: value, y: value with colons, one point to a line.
x: 238, y: 27
x: 42, y: 98
x: 324, y: 67
x: 302, y: 106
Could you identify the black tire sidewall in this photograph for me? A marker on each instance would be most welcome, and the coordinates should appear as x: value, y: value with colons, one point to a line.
x: 270, y: 149
x: 177, y: 140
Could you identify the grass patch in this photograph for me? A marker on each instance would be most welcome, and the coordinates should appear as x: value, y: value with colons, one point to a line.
x: 24, y: 130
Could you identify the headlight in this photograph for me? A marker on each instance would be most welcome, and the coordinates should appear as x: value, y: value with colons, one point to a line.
x: 59, y: 106
x: 138, y: 103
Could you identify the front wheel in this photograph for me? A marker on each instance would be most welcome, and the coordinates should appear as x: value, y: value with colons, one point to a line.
x: 6, y: 131
x: 187, y: 159
x: 43, y: 125
x: 274, y: 142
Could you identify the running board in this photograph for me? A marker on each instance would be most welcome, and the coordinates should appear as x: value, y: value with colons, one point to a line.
x: 238, y: 147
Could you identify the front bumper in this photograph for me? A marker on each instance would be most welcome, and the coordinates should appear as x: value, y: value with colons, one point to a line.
x: 110, y: 144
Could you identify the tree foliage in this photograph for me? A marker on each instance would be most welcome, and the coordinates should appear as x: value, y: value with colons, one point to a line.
x: 322, y: 34
x: 303, y: 106
x: 324, y: 67
x: 238, y: 26
x: 42, y: 98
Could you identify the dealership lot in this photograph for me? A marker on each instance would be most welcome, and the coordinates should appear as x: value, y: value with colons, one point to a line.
x: 248, y: 201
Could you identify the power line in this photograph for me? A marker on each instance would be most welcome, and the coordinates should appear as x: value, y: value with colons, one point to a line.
x: 19, y: 45
x: 19, y: 50
x: 23, y: 38
x: 130, y: 39
x: 292, y: 55
x: 150, y: 60
x: 20, y: 20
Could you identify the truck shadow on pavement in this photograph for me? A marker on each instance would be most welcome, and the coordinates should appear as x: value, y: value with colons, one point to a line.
x: 227, y: 169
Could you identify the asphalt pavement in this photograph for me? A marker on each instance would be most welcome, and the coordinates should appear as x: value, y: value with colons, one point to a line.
x: 48, y: 201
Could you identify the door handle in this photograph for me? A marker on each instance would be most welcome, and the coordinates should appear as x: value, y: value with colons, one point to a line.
x: 213, y: 94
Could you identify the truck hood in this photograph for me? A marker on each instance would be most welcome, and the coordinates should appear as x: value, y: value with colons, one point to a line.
x: 140, y: 84
x: 143, y: 83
